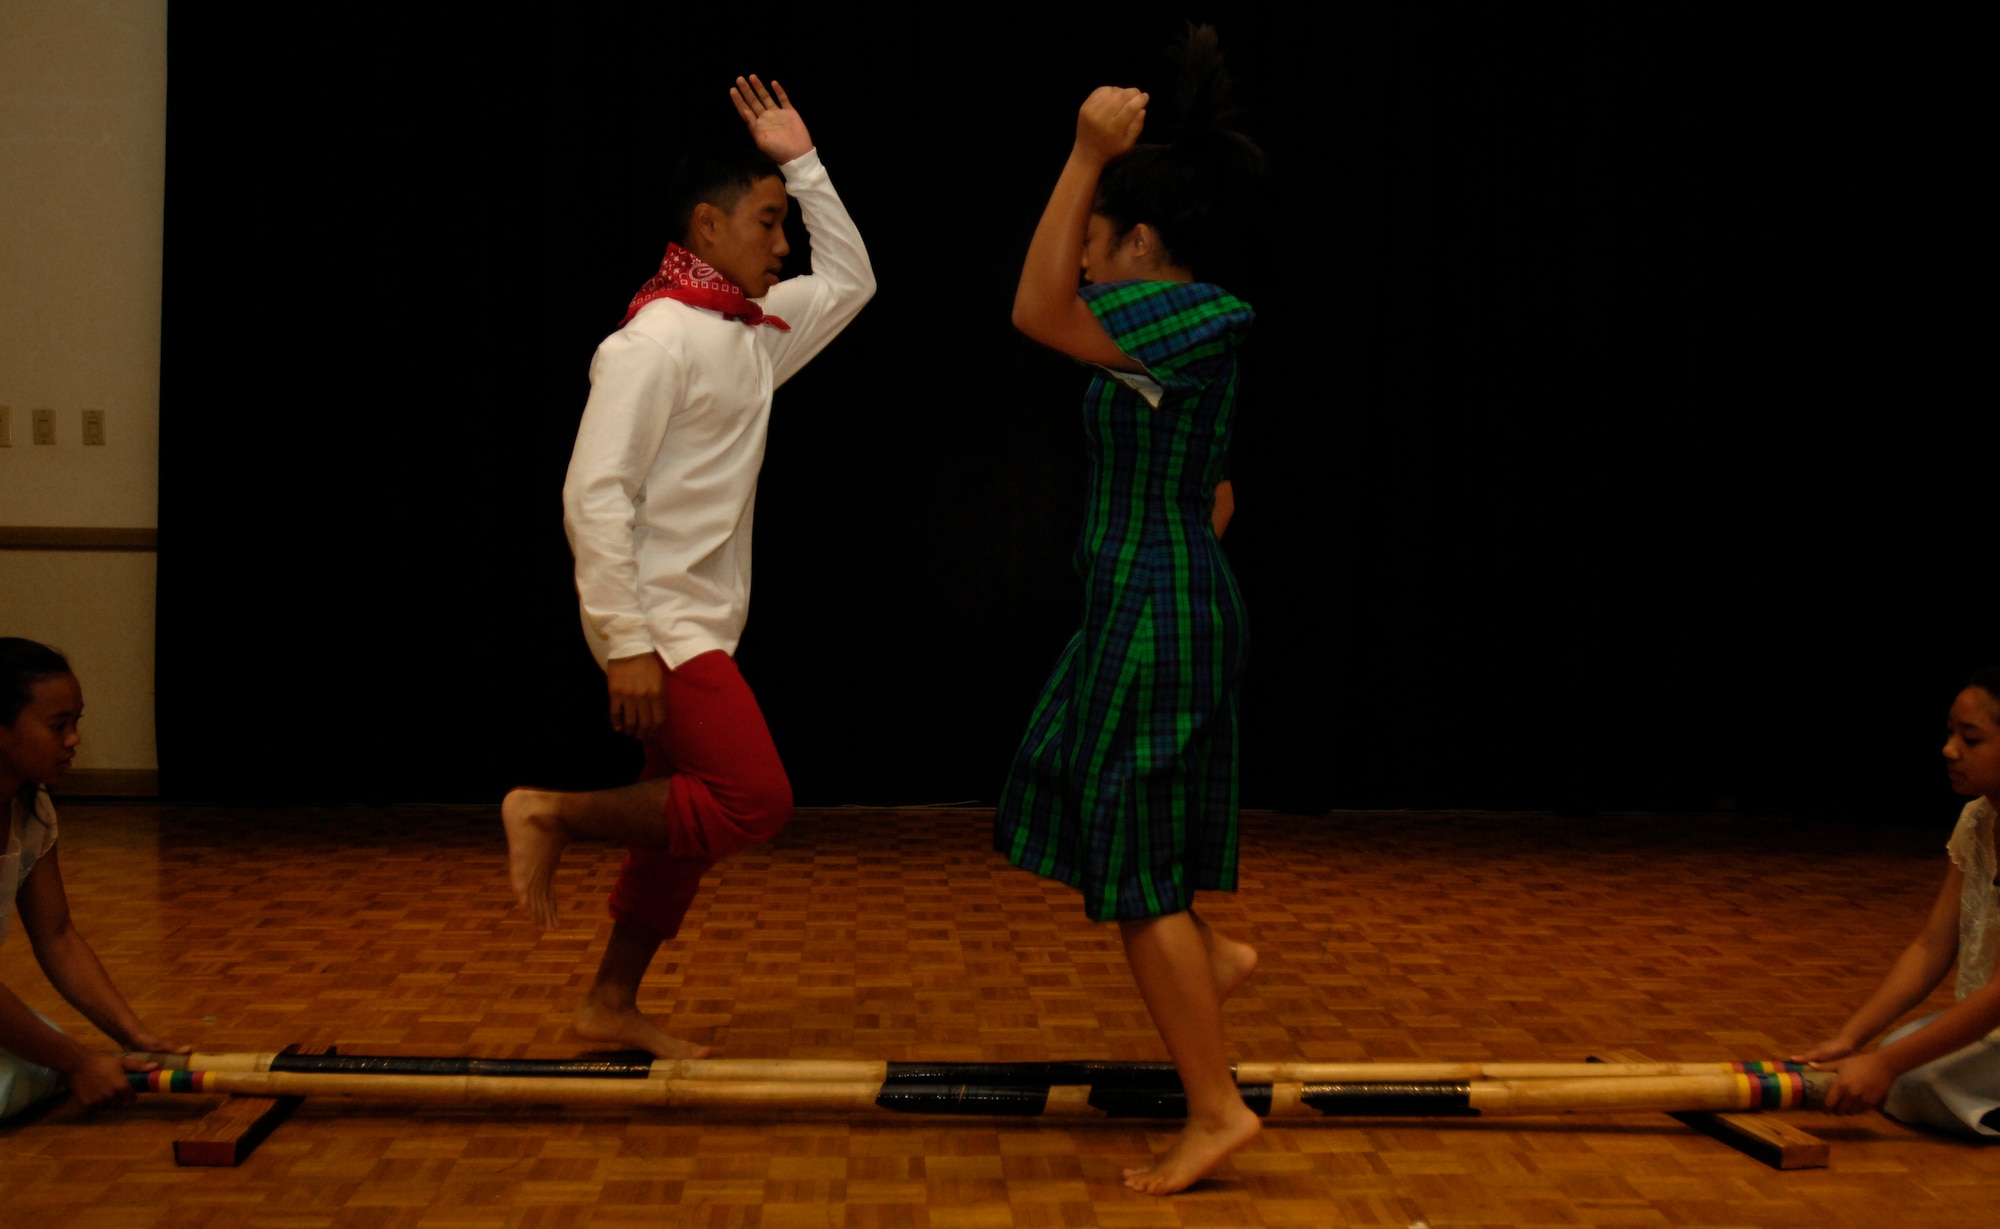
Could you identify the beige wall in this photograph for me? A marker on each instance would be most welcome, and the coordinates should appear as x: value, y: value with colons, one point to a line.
x: 83, y: 90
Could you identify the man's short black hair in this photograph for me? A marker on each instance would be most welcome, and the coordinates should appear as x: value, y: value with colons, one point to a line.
x: 715, y: 175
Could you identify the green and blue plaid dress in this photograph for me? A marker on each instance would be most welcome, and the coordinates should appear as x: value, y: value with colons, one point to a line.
x: 1125, y: 785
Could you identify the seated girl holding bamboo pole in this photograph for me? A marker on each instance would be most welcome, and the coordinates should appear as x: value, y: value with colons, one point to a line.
x: 1942, y: 1071
x: 40, y: 705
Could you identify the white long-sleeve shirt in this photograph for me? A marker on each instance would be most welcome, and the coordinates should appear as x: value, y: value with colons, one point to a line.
x: 662, y: 485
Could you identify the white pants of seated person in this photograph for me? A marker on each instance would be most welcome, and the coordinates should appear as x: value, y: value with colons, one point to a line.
x: 23, y: 1083
x: 1954, y: 1093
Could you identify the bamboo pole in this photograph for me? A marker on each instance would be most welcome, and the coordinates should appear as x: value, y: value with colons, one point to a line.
x: 517, y: 1090
x: 840, y: 1070
x: 1673, y: 1093
x: 1619, y: 1094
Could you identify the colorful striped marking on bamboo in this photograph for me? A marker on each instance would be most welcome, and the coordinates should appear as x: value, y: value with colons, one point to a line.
x: 1769, y: 1068
x: 1774, y: 1091
x: 172, y: 1081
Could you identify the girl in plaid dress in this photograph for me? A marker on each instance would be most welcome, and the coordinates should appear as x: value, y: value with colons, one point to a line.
x: 1125, y: 784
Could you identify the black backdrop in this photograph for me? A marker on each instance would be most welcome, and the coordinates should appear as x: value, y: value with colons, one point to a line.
x: 1603, y: 440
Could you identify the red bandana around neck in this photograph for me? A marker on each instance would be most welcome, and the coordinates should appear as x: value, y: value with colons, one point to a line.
x: 686, y: 278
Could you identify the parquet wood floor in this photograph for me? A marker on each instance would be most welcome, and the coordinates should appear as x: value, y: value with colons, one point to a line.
x: 874, y: 934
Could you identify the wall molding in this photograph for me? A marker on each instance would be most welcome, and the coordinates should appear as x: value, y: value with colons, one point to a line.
x: 77, y: 537
x: 108, y: 783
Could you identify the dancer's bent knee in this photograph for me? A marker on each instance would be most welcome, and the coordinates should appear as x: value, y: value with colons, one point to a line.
x: 711, y: 822
x: 729, y: 786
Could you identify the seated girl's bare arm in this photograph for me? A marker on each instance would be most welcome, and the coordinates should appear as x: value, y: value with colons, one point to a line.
x: 1956, y: 1027
x: 23, y: 1033
x: 1865, y: 1078
x: 94, y: 1079
x: 71, y: 965
x: 1915, y: 974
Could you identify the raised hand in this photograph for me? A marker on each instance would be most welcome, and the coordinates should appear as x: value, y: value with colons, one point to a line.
x: 774, y: 123
x: 1109, y: 122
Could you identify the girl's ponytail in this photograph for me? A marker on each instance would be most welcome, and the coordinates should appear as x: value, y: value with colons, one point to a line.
x: 1190, y: 189
x: 1205, y: 113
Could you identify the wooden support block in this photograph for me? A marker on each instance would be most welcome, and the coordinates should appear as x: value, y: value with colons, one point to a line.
x: 1772, y: 1141
x: 232, y: 1130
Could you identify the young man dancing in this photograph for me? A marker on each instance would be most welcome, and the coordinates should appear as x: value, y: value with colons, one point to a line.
x: 658, y: 504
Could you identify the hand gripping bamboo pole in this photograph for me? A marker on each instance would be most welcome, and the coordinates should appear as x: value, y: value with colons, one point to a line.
x: 1731, y: 1091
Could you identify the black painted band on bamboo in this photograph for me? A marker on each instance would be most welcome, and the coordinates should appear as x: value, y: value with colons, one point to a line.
x: 1139, y: 1102
x: 1002, y: 1101
x: 1443, y: 1100
x: 1037, y: 1075
x: 1157, y: 1076
x: 990, y: 1075
x: 635, y: 1068
x: 1157, y: 1102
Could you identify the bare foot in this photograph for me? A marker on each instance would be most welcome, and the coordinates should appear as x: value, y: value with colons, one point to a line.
x: 634, y: 1029
x: 535, y: 841
x: 1200, y: 1149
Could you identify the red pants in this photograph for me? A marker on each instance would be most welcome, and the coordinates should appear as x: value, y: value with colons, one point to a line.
x: 729, y: 792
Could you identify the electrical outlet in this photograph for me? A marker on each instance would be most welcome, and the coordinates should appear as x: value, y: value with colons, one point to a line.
x: 93, y: 428
x: 6, y: 426
x: 45, y: 426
